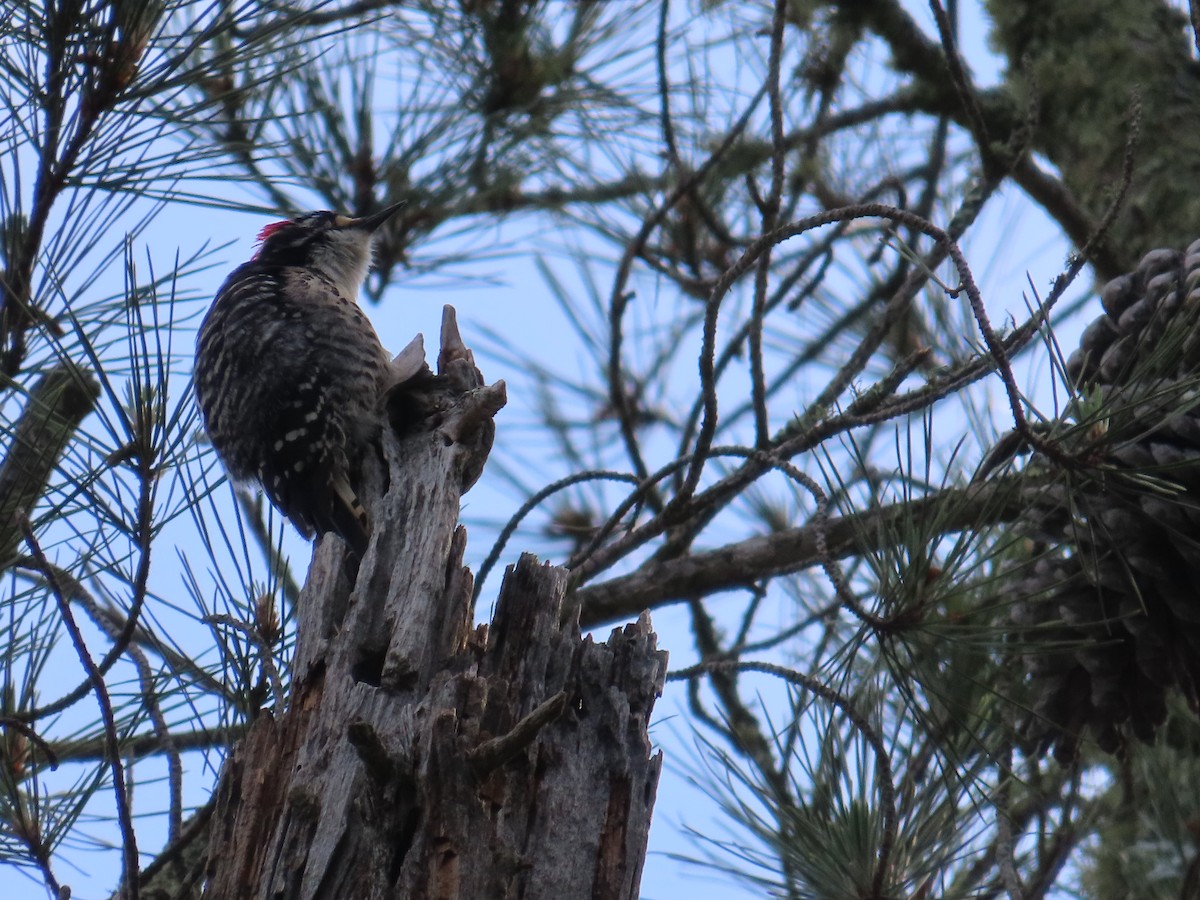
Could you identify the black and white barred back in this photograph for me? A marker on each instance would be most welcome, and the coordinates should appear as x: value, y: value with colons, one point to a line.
x: 289, y: 371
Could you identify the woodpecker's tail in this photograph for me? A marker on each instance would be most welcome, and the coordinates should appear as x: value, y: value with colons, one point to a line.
x: 347, y: 518
x: 324, y: 502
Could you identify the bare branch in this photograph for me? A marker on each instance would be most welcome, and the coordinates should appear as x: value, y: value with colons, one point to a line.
x: 700, y: 574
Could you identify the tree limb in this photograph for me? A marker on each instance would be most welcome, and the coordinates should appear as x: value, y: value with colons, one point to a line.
x: 658, y: 582
x: 56, y: 405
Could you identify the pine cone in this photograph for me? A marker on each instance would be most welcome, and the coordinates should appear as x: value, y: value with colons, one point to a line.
x: 1108, y: 619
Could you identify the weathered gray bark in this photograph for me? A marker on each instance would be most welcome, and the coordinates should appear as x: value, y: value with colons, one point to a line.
x: 420, y: 756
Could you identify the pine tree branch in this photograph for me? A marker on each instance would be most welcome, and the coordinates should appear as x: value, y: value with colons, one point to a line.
x: 56, y: 406
x: 108, y: 716
x: 992, y: 113
x: 145, y: 745
x: 659, y: 582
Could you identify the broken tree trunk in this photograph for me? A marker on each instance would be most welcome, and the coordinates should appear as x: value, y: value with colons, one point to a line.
x: 419, y: 756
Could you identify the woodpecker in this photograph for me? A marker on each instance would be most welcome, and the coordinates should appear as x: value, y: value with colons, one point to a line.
x: 289, y: 371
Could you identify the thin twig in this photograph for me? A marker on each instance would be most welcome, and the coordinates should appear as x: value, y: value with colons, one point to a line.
x: 885, y: 782
x: 265, y: 657
x: 528, y: 506
x: 26, y: 729
x: 75, y: 592
x: 122, y: 640
x: 163, y: 732
x: 1004, y: 831
x: 619, y: 298
x: 664, y: 88
x: 586, y: 562
x: 947, y: 246
x: 958, y: 77
x: 196, y: 828
x: 740, y: 726
x: 112, y: 742
x: 154, y: 744
x: 769, y: 217
x: 792, y: 440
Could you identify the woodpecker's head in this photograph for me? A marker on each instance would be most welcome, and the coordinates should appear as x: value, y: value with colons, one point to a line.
x: 336, y: 245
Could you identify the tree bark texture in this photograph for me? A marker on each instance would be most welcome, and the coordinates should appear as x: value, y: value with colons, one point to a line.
x: 1079, y: 66
x: 422, y: 757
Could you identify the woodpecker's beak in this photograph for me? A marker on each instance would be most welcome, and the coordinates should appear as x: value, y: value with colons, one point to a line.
x: 371, y: 222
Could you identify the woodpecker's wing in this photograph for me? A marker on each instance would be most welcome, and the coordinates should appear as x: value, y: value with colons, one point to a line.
x: 307, y: 476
